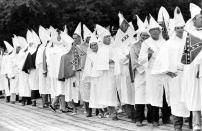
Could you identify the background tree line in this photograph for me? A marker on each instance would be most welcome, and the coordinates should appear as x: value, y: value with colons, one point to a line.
x: 16, y: 16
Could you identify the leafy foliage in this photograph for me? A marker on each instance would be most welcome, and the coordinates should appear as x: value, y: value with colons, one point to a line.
x: 16, y: 16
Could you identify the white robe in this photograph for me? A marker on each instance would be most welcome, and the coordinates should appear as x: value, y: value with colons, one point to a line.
x: 24, y: 88
x: 191, y: 85
x: 139, y: 77
x: 13, y: 74
x: 53, y: 62
x: 106, y: 82
x: 3, y: 80
x: 4, y: 72
x: 43, y: 86
x: 123, y: 80
x: 91, y: 75
x: 155, y: 84
x: 169, y: 60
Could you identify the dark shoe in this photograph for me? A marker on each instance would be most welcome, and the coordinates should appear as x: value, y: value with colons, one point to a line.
x: 65, y: 111
x: 96, y: 112
x: 53, y: 109
x: 45, y: 106
x: 155, y: 124
x: 33, y: 103
x: 23, y: 103
x: 139, y: 124
x: 115, y: 118
x: 178, y: 129
x: 167, y: 122
x: 12, y: 102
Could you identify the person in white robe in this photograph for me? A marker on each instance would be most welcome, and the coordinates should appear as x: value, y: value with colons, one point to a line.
x: 139, y: 74
x: 191, y: 85
x: 155, y: 84
x: 123, y: 41
x: 5, y: 69
x: 13, y: 70
x: 43, y: 80
x: 24, y: 88
x: 91, y: 76
x: 168, y: 62
x: 105, y: 63
x: 54, y: 54
x: 29, y: 66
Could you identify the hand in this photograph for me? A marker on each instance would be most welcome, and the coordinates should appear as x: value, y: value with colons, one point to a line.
x: 171, y: 74
x: 111, y: 61
x: 150, y: 51
x: 13, y: 77
x: 128, y: 56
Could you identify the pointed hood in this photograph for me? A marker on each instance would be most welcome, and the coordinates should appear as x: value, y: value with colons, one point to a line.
x: 131, y: 25
x: 153, y: 23
x: 9, y: 48
x: 35, y: 37
x: 29, y: 37
x: 22, y: 42
x: 121, y: 18
x: 65, y: 29
x: 194, y: 10
x: 101, y: 31
x: 146, y: 22
x: 86, y: 32
x: 67, y: 41
x: 178, y: 18
x: 163, y: 14
x: 78, y: 30
x: 43, y: 35
x: 15, y: 41
x: 123, y: 23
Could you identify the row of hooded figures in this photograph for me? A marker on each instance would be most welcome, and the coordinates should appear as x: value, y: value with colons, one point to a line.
x: 157, y: 66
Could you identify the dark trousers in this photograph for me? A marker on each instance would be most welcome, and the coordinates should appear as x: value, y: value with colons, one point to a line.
x: 166, y: 111
x: 130, y: 110
x: 178, y: 122
x: 139, y: 115
x: 26, y: 99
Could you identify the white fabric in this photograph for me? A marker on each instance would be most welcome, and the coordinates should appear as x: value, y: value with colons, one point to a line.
x: 71, y: 86
x: 53, y: 62
x: 125, y: 88
x: 33, y: 79
x: 153, y: 23
x: 4, y: 72
x: 163, y: 15
x: 154, y: 83
x: 24, y: 88
x: 178, y: 18
x: 78, y: 29
x: 194, y: 10
x: 169, y: 59
x: 9, y: 48
x: 13, y: 73
x: 43, y: 87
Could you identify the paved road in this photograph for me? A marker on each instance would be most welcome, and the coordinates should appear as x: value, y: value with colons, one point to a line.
x: 14, y: 117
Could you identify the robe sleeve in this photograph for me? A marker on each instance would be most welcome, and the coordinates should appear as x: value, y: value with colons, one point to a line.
x: 134, y: 58
x: 143, y: 55
x: 61, y: 75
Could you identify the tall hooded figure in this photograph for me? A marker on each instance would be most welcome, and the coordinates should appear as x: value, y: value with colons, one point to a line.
x: 156, y: 88
x: 29, y: 66
x: 168, y: 63
x: 5, y: 68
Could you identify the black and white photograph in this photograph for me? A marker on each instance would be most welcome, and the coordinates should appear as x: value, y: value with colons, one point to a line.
x: 100, y: 65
